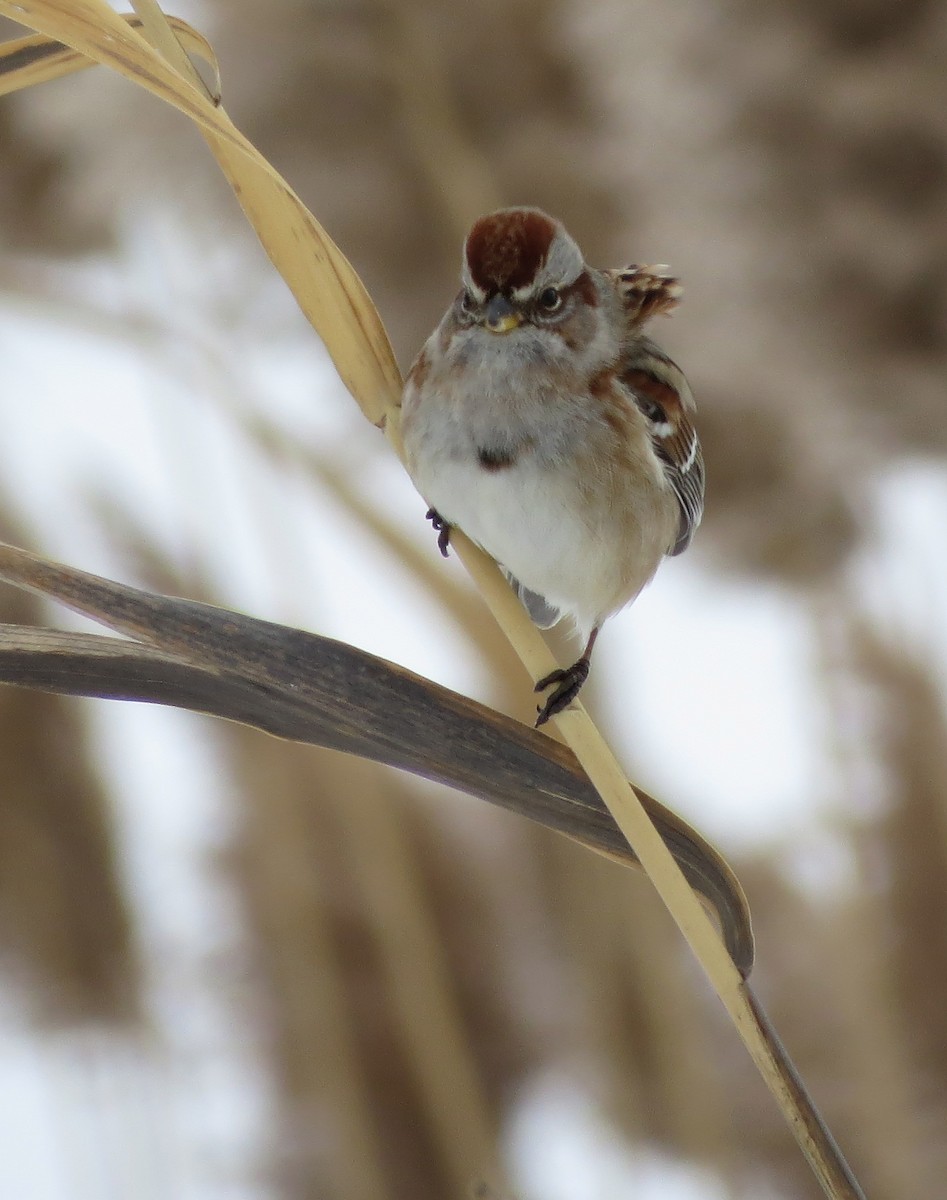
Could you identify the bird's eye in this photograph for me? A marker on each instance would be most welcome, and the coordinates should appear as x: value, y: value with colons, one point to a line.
x: 549, y: 299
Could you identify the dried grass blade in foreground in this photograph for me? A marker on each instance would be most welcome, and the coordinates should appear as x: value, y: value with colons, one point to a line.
x: 335, y: 301
x: 27, y: 61
x: 307, y: 688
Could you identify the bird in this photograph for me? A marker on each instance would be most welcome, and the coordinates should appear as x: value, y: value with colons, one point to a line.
x: 540, y: 420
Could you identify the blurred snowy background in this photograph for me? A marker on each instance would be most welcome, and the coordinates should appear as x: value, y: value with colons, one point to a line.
x: 233, y: 968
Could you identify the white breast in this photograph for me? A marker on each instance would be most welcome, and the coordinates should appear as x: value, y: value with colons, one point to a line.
x: 586, y: 541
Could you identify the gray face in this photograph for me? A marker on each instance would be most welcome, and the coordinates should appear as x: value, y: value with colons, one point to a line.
x: 525, y: 273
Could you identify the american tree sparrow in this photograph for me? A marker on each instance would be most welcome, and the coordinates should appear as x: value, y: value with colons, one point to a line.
x: 541, y: 421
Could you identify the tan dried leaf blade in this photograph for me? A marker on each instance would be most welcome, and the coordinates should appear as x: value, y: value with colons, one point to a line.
x: 27, y: 61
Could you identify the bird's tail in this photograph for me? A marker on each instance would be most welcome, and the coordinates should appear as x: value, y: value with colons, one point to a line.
x: 540, y: 610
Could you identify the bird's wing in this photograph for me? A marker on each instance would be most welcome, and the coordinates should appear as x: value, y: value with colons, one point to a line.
x: 661, y: 393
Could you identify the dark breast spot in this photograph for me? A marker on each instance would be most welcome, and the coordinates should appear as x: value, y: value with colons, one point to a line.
x: 495, y: 458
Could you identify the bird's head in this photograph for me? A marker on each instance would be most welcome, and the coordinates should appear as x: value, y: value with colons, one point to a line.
x: 521, y: 269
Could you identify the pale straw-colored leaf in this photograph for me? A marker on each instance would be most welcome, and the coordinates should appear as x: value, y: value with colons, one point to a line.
x: 27, y: 61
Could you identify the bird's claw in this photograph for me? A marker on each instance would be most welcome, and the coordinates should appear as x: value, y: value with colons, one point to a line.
x: 569, y: 682
x: 443, y: 530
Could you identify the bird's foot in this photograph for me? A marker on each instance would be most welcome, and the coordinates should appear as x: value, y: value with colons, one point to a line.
x: 569, y: 681
x: 443, y: 530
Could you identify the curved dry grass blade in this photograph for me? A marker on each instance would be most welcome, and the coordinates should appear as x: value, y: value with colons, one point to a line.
x: 25, y: 62
x: 158, y: 29
x: 328, y: 290
x: 308, y: 688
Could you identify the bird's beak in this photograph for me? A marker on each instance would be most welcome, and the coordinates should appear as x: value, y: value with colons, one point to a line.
x: 501, y: 316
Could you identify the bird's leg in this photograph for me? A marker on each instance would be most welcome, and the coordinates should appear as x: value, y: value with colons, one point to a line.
x: 569, y: 680
x: 443, y: 530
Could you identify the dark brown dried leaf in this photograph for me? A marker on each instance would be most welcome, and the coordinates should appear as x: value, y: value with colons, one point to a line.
x: 307, y: 688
